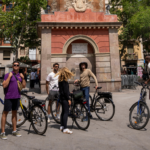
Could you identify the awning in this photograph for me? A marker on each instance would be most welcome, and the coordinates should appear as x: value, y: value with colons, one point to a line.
x: 36, y: 66
x: 22, y: 65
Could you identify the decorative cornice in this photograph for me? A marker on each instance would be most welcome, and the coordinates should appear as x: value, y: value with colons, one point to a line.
x: 79, y: 25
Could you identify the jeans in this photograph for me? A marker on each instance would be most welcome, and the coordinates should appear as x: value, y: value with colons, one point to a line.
x: 86, y: 91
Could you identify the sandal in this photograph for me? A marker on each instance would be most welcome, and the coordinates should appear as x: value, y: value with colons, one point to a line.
x: 67, y: 131
x: 61, y: 128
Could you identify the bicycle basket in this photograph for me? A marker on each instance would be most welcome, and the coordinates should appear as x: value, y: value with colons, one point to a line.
x: 78, y: 94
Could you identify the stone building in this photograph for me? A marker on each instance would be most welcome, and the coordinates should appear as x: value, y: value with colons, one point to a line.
x: 76, y: 31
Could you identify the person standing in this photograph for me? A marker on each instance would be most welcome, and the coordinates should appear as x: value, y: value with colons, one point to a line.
x: 36, y: 77
x: 32, y: 79
x: 12, y: 98
x: 64, y: 75
x: 84, y: 81
x: 52, y: 88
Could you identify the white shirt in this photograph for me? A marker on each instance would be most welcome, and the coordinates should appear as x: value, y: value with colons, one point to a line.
x: 53, y: 82
x: 32, y: 76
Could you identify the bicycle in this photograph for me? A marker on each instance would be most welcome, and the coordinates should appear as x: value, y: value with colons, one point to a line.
x: 139, y: 111
x: 34, y: 113
x: 102, y: 104
x: 78, y: 111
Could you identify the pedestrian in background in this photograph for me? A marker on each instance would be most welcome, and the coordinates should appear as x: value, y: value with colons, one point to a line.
x: 36, y: 77
x: 64, y: 75
x: 12, y: 98
x: 32, y: 79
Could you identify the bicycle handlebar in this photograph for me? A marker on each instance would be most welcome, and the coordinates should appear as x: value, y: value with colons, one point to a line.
x: 142, y: 84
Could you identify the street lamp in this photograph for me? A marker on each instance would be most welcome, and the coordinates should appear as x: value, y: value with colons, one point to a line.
x: 48, y: 8
x: 107, y: 8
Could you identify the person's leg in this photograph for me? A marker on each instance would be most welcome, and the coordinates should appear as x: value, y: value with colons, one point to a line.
x: 7, y: 108
x: 14, y: 119
x: 62, y: 115
x: 51, y: 97
x: 15, y: 106
x: 66, y: 112
x: 87, y: 89
x: 3, y: 121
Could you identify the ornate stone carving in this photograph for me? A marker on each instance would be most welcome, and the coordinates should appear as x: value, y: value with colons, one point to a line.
x: 54, y: 5
x: 101, y: 4
x: 79, y: 5
x: 70, y: 5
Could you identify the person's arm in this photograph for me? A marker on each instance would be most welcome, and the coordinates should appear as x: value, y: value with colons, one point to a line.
x: 47, y: 87
x: 91, y: 74
x: 23, y: 80
x: 7, y: 80
x: 47, y: 84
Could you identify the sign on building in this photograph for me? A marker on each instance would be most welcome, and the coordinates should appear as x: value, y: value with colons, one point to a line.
x: 79, y: 48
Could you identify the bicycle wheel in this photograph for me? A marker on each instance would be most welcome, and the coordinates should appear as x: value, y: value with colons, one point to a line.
x: 139, y: 115
x: 20, y: 117
x: 56, y: 109
x: 82, y: 117
x: 104, y: 109
x: 38, y: 120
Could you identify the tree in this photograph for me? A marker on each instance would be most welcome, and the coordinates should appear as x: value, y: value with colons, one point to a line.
x: 24, y: 59
x: 19, y: 25
x: 134, y: 14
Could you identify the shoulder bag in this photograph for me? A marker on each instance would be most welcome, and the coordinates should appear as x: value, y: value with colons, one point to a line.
x: 19, y: 84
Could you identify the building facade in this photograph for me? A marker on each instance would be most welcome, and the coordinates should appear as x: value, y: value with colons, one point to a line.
x: 77, y: 31
x: 6, y: 54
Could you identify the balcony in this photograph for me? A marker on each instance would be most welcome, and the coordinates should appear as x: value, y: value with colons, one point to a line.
x: 133, y: 56
x: 35, y: 57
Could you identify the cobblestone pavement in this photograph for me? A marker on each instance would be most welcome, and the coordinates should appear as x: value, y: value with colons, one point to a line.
x: 112, y: 135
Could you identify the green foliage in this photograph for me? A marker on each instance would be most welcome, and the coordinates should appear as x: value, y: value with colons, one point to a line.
x: 25, y: 59
x: 135, y: 16
x: 20, y: 23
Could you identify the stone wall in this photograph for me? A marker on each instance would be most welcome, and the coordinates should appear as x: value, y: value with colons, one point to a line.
x: 63, y: 5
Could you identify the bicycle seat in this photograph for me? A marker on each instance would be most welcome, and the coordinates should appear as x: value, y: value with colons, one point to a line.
x: 98, y: 88
x: 31, y: 97
x: 38, y: 102
x: 24, y: 91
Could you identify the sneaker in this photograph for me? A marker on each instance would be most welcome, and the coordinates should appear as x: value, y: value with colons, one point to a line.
x: 57, y: 117
x: 16, y: 133
x: 61, y: 128
x: 3, y: 136
x: 91, y: 116
x: 48, y: 120
x: 67, y: 131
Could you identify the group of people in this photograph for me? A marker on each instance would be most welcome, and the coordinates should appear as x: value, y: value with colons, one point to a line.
x: 56, y: 83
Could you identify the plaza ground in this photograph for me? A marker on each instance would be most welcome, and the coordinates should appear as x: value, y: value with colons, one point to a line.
x: 112, y: 135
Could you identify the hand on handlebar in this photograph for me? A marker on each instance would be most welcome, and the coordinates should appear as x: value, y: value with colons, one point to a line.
x: 96, y: 87
x: 76, y: 81
x: 146, y: 82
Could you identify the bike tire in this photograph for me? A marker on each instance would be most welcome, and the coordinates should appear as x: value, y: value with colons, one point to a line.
x: 105, y: 102
x: 32, y: 116
x: 53, y: 106
x: 79, y: 113
x: 130, y: 114
x: 20, y: 121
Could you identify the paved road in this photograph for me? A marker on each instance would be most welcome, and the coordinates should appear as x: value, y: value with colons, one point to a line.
x: 113, y: 135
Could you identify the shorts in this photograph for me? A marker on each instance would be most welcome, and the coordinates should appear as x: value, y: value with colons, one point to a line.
x: 52, y: 95
x: 11, y: 104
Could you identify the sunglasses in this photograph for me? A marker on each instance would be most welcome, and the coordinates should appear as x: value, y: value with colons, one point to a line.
x: 56, y: 66
x: 16, y: 65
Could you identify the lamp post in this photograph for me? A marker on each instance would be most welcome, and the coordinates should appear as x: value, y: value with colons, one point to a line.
x: 108, y: 8
x: 48, y: 8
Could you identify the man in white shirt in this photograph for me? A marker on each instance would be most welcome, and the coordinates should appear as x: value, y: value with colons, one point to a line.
x: 52, y: 86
